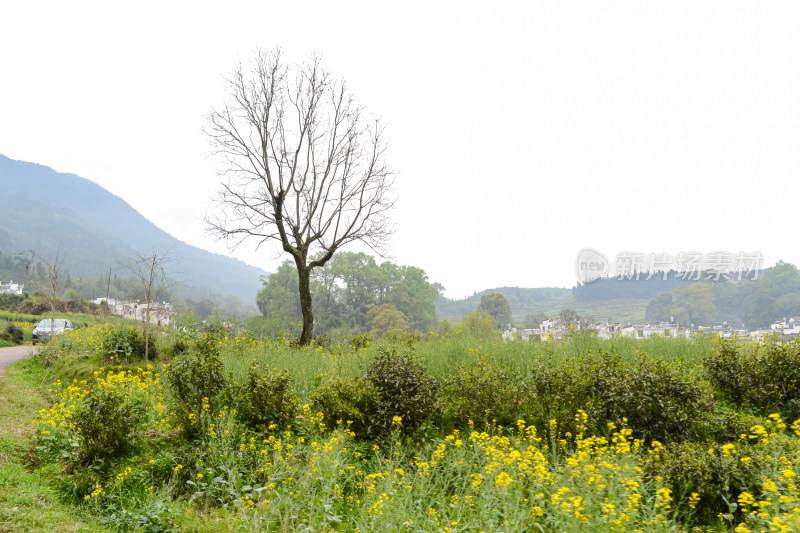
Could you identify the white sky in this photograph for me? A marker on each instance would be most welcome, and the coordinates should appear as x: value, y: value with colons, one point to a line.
x: 520, y: 133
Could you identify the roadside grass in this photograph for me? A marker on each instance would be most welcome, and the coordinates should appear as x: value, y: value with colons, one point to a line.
x: 27, y: 499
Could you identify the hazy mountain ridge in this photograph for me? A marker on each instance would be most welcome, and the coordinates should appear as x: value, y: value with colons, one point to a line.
x: 40, y: 208
x: 521, y: 299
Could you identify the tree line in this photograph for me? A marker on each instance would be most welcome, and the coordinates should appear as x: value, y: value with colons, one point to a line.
x: 353, y: 294
x: 752, y: 303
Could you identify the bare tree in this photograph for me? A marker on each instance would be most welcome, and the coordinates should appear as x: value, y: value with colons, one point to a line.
x: 303, y: 167
x: 150, y: 271
x: 52, y: 275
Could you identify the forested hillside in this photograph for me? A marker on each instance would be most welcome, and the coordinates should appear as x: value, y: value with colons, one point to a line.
x: 41, y: 209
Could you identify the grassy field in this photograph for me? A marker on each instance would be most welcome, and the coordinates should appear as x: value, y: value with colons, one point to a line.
x: 433, y: 433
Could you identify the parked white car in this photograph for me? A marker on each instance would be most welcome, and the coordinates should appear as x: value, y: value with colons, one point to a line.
x: 45, y: 329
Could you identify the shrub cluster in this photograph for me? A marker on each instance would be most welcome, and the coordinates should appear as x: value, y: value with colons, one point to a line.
x: 108, y: 421
x: 405, y: 390
x: 351, y: 400
x: 121, y: 342
x: 484, y: 393
x: 765, y: 378
x: 11, y: 333
x: 266, y: 398
x: 397, y: 394
x: 197, y: 379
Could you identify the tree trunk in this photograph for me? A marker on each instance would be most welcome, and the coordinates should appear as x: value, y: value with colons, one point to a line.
x: 304, y: 284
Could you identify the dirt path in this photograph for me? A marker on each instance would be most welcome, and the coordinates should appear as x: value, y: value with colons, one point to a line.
x: 13, y: 354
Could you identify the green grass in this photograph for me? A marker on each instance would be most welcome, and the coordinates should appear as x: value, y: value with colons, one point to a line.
x: 316, y: 479
x: 28, y: 501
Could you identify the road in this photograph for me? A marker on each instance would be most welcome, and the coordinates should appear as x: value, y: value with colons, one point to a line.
x: 13, y: 354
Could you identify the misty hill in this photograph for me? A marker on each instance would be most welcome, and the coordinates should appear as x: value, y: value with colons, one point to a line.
x: 522, y: 301
x: 40, y: 208
x: 615, y: 306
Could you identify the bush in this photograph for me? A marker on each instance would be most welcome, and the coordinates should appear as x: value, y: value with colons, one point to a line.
x: 483, y: 394
x: 658, y: 402
x: 12, y: 333
x: 549, y: 393
x: 402, y: 337
x: 123, y: 341
x: 480, y: 324
x: 709, y: 471
x: 266, y: 398
x: 196, y: 376
x: 405, y: 391
x: 349, y: 400
x: 766, y: 378
x: 360, y: 341
x: 729, y: 372
x: 107, y: 422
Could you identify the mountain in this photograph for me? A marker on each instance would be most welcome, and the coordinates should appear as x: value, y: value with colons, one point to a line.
x: 41, y: 208
x: 522, y: 301
x: 613, y: 307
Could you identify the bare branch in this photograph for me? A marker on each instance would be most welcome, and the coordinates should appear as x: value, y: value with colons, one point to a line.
x: 302, y: 165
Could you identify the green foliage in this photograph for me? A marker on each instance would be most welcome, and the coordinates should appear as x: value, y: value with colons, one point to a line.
x: 11, y: 333
x: 483, y: 393
x: 108, y: 421
x: 266, y: 398
x: 196, y: 378
x: 405, y: 389
x: 657, y: 400
x: 354, y: 401
x: 550, y: 392
x: 709, y: 471
x: 11, y: 302
x: 729, y: 372
x: 279, y: 294
x: 496, y: 305
x: 766, y: 378
x: 360, y: 341
x: 480, y: 324
x: 156, y: 518
x: 402, y: 337
x: 121, y: 342
x: 692, y: 304
x: 755, y: 302
x: 385, y: 318
x: 347, y: 289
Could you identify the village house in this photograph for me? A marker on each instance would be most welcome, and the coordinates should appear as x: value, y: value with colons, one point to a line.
x: 11, y: 288
x: 161, y: 313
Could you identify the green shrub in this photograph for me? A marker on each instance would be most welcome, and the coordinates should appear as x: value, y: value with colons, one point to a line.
x: 549, y: 393
x: 709, y: 471
x: 402, y: 337
x: 766, y: 378
x: 658, y: 401
x: 482, y: 393
x: 405, y: 391
x: 354, y: 401
x: 121, y: 342
x: 12, y: 333
x: 196, y: 376
x: 729, y: 372
x: 266, y: 398
x: 360, y: 341
x: 107, y: 422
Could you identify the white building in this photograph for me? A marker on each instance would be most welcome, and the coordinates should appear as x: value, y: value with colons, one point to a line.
x: 11, y: 288
x: 160, y: 312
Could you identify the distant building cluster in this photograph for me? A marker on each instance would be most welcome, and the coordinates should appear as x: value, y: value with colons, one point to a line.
x: 11, y: 288
x: 161, y: 313
x: 554, y: 330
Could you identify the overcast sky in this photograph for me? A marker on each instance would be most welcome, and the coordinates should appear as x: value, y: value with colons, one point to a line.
x: 521, y: 134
